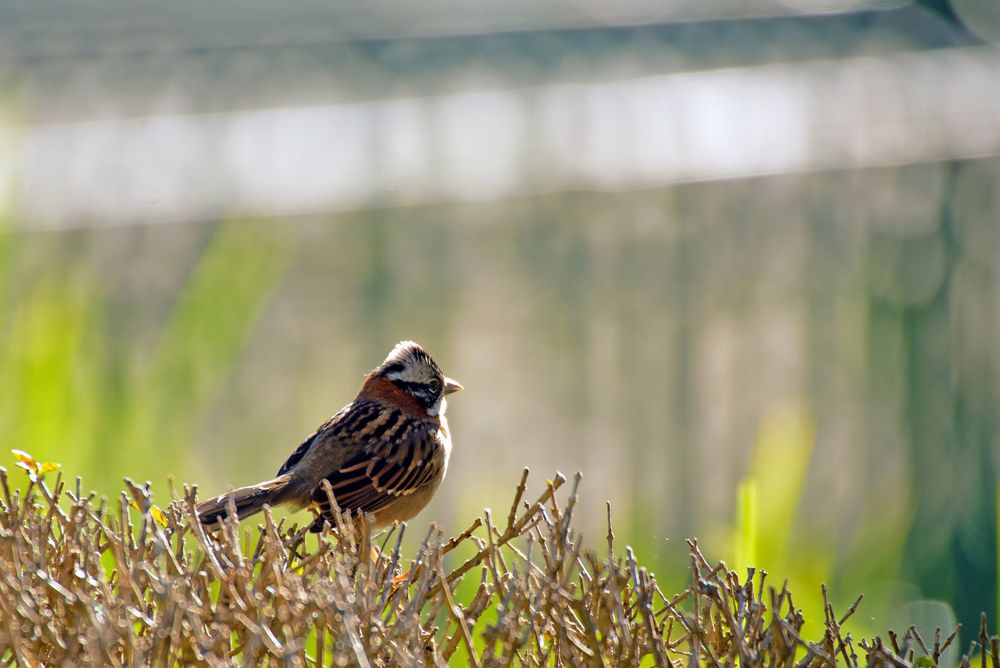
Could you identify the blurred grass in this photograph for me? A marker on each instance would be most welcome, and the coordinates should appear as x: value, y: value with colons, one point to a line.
x: 768, y: 500
x: 80, y: 398
x: 204, y: 336
x: 47, y: 358
x: 779, y: 466
x: 747, y: 533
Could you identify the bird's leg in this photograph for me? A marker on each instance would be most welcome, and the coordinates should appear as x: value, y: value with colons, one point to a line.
x: 400, y: 580
x: 397, y: 580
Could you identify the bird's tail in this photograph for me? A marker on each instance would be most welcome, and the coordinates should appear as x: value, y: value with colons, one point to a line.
x: 247, y: 500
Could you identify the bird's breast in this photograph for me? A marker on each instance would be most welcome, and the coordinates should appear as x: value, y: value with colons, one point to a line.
x: 444, y: 437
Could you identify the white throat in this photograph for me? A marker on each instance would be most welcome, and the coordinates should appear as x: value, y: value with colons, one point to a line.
x: 438, y: 408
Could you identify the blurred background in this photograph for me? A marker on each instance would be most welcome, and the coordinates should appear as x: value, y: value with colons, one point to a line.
x: 736, y: 262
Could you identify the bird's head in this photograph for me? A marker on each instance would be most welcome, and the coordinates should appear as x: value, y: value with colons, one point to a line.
x: 409, y: 368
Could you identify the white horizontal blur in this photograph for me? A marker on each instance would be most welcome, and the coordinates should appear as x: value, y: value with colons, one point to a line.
x: 622, y: 135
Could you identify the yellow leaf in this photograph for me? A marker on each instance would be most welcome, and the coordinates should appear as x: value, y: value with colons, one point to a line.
x: 24, y: 460
x: 158, y: 516
x: 154, y: 510
x: 31, y: 466
x: 48, y: 466
x: 27, y: 469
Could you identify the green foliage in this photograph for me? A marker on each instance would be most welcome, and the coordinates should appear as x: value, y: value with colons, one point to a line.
x: 204, y: 335
x: 80, y: 397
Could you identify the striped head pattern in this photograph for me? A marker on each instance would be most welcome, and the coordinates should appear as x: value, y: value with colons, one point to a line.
x: 410, y: 368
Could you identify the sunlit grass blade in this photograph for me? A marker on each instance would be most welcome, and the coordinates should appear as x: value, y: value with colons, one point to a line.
x: 205, y: 334
x: 782, y: 455
x: 746, y: 526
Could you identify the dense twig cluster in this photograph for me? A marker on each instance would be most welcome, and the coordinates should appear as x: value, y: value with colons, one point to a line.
x: 82, y: 583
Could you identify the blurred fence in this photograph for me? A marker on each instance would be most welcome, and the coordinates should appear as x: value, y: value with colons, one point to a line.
x: 486, y: 145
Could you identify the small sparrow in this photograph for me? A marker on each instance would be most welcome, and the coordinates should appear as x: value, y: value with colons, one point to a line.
x: 385, y: 453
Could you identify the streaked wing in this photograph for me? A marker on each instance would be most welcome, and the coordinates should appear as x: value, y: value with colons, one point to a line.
x: 380, y: 475
x: 301, y: 451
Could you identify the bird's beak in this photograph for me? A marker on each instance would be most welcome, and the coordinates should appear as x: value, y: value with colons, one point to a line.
x: 451, y: 385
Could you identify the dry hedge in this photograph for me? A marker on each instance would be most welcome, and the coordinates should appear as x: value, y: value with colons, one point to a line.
x: 81, y: 583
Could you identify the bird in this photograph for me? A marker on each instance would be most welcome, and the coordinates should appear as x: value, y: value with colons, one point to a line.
x: 384, y: 454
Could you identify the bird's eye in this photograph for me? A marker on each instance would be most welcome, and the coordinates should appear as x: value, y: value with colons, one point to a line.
x: 435, y: 385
